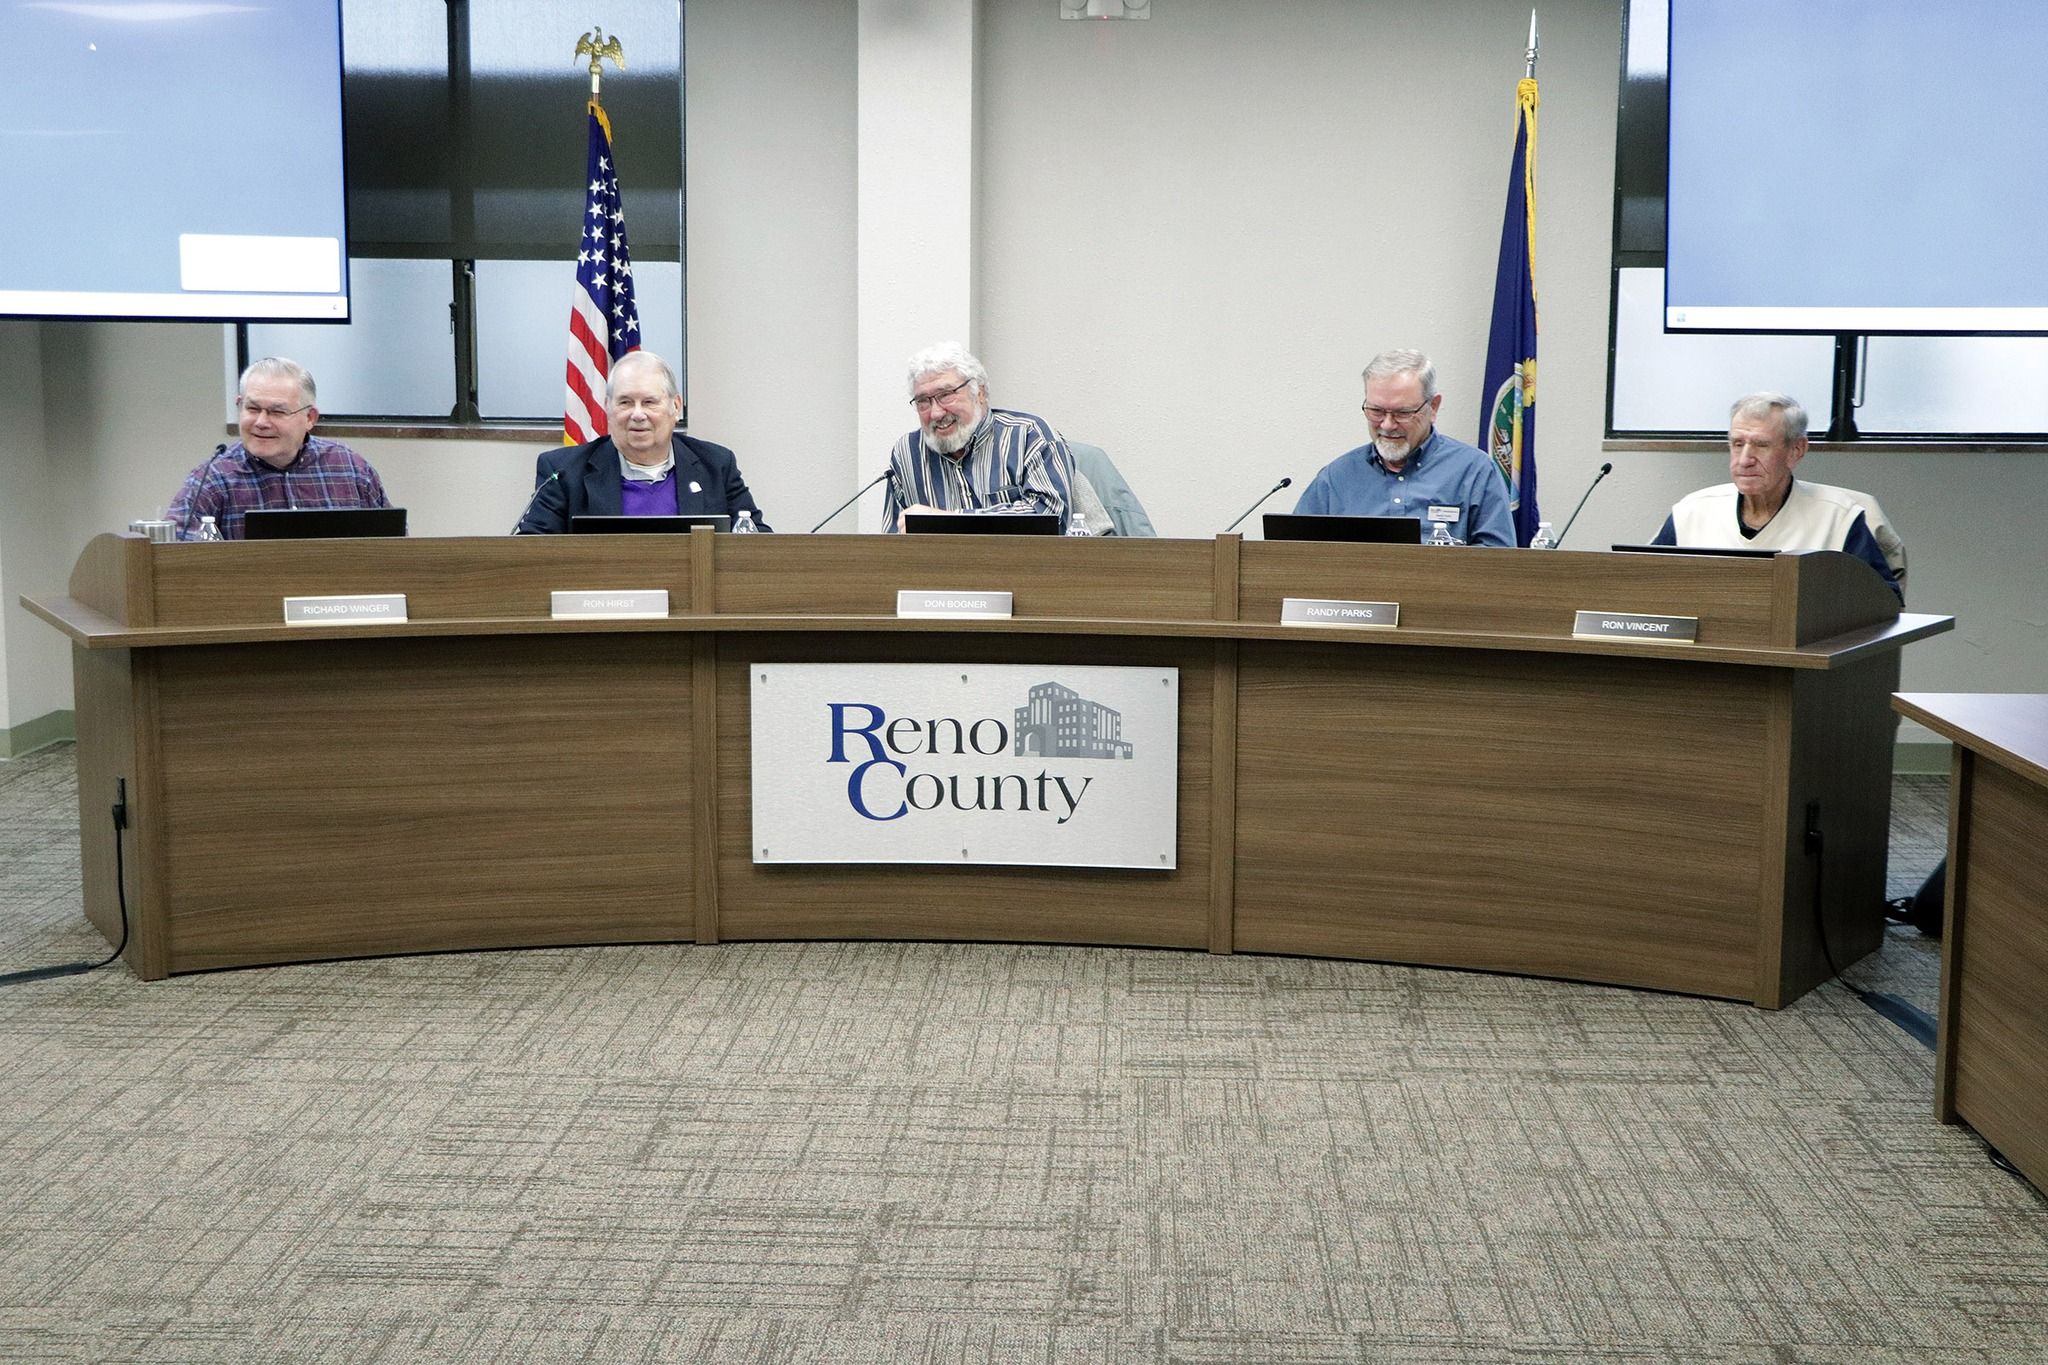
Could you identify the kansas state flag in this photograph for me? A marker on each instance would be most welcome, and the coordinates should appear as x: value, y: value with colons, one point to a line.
x: 1507, y: 422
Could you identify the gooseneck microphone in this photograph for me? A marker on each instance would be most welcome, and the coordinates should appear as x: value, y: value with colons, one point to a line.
x: 885, y: 474
x: 539, y: 489
x: 1605, y: 470
x: 1255, y: 506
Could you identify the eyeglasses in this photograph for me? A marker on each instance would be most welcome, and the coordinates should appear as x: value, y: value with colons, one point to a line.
x: 1377, y: 415
x: 252, y: 411
x: 925, y: 402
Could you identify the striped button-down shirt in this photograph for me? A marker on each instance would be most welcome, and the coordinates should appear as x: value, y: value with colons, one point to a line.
x: 326, y: 474
x: 1013, y: 462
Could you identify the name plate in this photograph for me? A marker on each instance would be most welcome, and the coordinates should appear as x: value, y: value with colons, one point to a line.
x: 631, y: 604
x: 1331, y: 611
x: 927, y: 602
x: 1611, y: 625
x: 351, y: 610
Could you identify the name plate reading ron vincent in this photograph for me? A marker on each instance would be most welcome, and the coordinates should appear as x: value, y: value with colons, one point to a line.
x: 1326, y: 611
x: 630, y: 604
x: 927, y: 602
x: 1622, y: 625
x: 350, y: 610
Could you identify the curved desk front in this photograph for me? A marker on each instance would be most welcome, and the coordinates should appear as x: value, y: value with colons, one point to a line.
x: 1474, y: 789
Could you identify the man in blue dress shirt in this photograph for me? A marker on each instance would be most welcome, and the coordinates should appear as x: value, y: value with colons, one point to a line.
x: 1411, y: 469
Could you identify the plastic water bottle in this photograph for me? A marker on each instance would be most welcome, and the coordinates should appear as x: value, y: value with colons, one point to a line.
x: 1542, y: 540
x: 743, y: 523
x: 1442, y: 534
x: 209, y: 529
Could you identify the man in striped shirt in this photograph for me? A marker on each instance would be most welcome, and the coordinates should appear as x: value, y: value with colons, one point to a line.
x: 968, y: 457
x: 278, y: 461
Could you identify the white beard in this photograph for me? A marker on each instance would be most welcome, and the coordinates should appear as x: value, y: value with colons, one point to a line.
x: 952, y: 442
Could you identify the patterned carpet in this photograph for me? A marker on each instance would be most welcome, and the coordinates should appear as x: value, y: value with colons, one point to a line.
x: 966, y: 1153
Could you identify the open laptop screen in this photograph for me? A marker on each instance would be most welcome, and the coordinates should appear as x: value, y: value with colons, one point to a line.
x: 647, y: 526
x: 321, y: 523
x: 982, y: 523
x: 1729, y: 551
x: 1366, y: 530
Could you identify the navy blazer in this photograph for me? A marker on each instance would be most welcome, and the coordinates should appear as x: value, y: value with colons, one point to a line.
x: 707, y: 482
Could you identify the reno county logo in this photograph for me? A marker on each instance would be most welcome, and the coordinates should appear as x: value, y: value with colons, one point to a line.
x: 1054, y: 722
x: 1059, y: 723
x: 1010, y: 763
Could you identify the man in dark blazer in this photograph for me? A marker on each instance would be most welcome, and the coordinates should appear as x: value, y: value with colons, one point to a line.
x: 645, y: 467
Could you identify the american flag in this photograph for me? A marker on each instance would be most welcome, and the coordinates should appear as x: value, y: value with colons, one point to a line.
x: 604, y: 322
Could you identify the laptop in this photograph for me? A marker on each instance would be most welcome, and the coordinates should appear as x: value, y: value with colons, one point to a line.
x: 1726, y: 551
x: 982, y: 523
x: 1361, y: 530
x: 648, y: 526
x: 321, y: 523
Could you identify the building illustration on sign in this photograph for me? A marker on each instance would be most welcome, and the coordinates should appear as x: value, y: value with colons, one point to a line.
x: 1058, y: 722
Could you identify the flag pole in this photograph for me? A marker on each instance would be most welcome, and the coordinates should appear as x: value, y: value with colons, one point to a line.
x: 604, y: 317
x: 1507, y: 420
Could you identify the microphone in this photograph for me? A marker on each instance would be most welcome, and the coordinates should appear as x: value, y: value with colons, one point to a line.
x: 1255, y: 506
x: 539, y: 489
x: 888, y: 473
x: 1605, y: 470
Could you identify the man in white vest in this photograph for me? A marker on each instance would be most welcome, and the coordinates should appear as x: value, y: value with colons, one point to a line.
x: 1765, y: 508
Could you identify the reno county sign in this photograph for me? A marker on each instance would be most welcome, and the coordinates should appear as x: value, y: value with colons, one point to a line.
x: 1051, y: 765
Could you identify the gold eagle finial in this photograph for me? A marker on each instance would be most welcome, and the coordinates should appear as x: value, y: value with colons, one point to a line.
x: 598, y: 48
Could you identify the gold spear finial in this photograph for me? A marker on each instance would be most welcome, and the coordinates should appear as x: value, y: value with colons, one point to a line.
x: 599, y: 47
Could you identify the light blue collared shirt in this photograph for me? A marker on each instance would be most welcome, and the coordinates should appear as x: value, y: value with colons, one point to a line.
x: 1441, y: 472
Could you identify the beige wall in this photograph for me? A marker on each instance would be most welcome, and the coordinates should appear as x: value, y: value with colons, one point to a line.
x: 1189, y: 235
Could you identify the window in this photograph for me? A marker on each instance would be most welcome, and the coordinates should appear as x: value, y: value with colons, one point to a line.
x: 465, y: 155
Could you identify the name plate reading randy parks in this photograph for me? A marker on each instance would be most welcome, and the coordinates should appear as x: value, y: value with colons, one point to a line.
x: 1621, y: 625
x: 351, y: 610
x: 630, y: 604
x: 1329, y: 611
x: 927, y: 602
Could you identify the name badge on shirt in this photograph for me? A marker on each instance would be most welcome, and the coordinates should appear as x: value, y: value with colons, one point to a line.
x: 1447, y: 515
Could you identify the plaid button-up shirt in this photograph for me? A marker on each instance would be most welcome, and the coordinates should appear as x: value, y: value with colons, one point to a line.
x: 326, y: 474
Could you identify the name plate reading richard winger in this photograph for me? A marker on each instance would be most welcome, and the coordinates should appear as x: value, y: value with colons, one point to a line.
x: 348, y: 610
x: 1327, y: 611
x: 1621, y: 625
x: 929, y: 602
x: 628, y: 604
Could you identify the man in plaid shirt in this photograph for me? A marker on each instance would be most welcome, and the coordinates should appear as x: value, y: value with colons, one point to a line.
x: 278, y: 462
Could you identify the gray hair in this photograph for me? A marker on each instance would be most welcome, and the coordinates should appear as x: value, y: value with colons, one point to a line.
x: 947, y: 355
x: 1387, y: 364
x: 277, y: 367
x: 1791, y: 417
x: 640, y: 360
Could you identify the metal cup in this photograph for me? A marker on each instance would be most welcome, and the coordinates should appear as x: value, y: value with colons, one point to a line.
x: 159, y: 531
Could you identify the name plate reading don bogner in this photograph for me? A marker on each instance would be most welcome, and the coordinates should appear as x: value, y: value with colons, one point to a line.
x: 1621, y: 625
x: 628, y: 604
x: 351, y: 610
x: 1325, y: 611
x: 927, y: 602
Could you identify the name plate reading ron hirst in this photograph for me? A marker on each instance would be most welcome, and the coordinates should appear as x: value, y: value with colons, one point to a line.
x: 1621, y: 625
x: 353, y: 610
x: 631, y: 604
x: 925, y: 602
x: 1328, y: 611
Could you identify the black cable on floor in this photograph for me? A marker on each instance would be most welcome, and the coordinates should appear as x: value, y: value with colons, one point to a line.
x: 121, y: 892
x: 1908, y: 1016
